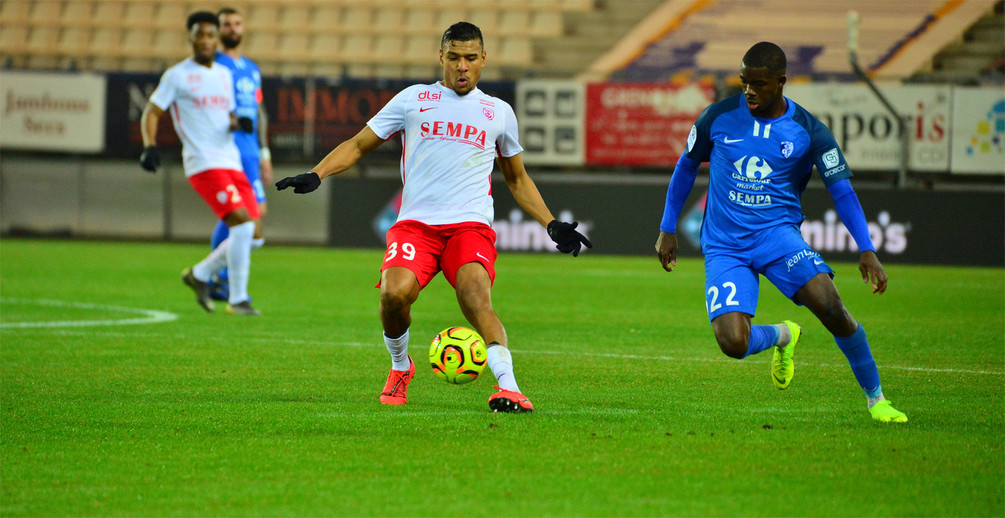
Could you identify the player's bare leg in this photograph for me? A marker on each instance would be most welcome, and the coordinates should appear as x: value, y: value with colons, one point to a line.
x: 474, y: 295
x: 399, y: 288
x: 821, y: 297
x: 732, y: 333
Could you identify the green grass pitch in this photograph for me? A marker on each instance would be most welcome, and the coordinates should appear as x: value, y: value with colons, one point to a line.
x: 110, y: 408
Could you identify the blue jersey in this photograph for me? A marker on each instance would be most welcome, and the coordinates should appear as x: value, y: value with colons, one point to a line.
x: 248, y: 95
x: 758, y: 169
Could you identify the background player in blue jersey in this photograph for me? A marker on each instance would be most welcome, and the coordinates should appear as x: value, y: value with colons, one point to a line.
x: 761, y: 149
x: 252, y: 143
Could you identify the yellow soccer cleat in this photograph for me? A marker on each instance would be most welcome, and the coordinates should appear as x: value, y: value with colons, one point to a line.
x: 782, y: 367
x: 884, y: 412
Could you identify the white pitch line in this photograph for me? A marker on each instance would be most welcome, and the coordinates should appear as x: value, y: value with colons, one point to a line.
x: 376, y: 345
x: 152, y: 316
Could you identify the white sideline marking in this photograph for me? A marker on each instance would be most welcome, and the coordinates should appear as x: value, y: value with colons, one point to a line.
x: 152, y: 316
x: 435, y: 413
x: 375, y: 345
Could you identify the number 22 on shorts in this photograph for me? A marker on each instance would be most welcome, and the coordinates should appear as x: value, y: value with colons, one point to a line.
x: 407, y: 251
x: 712, y: 303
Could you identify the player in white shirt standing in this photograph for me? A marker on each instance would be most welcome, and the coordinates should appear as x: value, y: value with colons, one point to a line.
x: 452, y: 134
x: 200, y: 94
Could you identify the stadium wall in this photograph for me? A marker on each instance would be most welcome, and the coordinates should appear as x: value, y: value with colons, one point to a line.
x: 114, y: 199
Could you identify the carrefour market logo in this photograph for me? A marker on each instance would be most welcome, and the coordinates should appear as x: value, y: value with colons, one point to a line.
x: 753, y: 168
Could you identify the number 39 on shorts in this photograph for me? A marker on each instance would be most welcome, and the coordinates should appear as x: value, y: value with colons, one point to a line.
x: 407, y: 251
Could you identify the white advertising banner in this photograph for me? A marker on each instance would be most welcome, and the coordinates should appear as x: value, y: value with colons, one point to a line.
x: 978, y: 131
x: 867, y: 131
x: 551, y: 115
x: 52, y: 112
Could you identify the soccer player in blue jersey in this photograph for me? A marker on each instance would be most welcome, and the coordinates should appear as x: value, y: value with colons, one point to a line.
x: 761, y: 149
x: 252, y: 142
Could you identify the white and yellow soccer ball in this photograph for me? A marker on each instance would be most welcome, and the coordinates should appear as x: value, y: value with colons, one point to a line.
x: 458, y: 355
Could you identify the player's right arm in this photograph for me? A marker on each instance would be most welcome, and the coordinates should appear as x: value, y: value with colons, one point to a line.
x: 148, y: 124
x: 163, y: 95
x: 150, y: 160
x: 699, y: 146
x: 344, y: 156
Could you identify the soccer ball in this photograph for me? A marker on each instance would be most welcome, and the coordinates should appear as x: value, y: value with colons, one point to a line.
x: 458, y: 355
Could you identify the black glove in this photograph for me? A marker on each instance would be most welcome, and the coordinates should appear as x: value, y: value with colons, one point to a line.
x: 150, y: 159
x: 246, y: 124
x: 566, y: 236
x: 301, y: 183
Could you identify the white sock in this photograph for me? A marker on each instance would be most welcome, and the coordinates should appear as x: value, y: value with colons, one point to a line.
x: 257, y: 243
x: 239, y: 260
x: 501, y: 362
x: 398, y: 347
x: 784, y: 335
x: 873, y: 400
x: 213, y: 262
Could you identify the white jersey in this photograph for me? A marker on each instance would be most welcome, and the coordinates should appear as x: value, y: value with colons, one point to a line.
x: 450, y: 143
x: 201, y: 99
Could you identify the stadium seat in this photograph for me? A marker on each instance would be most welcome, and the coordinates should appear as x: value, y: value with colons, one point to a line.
x: 168, y: 43
x: 294, y: 18
x: 421, y: 21
x: 356, y: 20
x: 139, y: 14
x: 389, y: 21
x: 76, y: 13
x: 14, y: 40
x: 325, y: 48
x: 325, y: 20
x: 514, y: 23
x: 44, y: 12
x: 14, y: 14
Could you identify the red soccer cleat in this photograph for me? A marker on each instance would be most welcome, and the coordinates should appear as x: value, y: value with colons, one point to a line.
x: 396, y: 388
x: 509, y: 401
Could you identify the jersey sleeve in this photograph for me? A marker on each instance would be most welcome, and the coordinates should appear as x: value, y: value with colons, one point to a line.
x: 391, y: 118
x: 167, y: 90
x: 508, y: 143
x: 826, y: 155
x: 699, y: 141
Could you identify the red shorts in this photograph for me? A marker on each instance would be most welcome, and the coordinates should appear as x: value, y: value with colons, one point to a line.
x: 428, y: 249
x: 225, y: 190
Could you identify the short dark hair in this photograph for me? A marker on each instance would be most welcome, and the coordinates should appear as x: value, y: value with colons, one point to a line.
x: 202, y: 17
x: 462, y: 31
x: 766, y: 55
x: 226, y: 10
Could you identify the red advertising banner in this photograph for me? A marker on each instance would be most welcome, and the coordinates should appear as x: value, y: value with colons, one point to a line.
x: 641, y: 124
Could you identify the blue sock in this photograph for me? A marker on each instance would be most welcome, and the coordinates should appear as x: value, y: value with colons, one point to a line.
x: 856, y: 349
x: 221, y: 232
x: 761, y: 338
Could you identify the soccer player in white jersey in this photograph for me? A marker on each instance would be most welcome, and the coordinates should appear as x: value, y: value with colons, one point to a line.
x: 200, y: 94
x: 452, y: 134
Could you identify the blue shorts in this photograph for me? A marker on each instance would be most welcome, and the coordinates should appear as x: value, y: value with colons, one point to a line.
x: 252, y: 170
x: 780, y: 254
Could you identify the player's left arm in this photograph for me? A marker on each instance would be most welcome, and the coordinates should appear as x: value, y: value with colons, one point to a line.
x: 850, y: 211
x: 265, y: 155
x: 835, y: 172
x: 524, y: 190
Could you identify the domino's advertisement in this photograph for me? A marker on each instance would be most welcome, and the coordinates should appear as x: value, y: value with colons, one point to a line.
x: 623, y: 218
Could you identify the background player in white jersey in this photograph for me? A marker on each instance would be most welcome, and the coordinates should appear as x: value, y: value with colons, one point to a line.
x: 452, y: 133
x: 761, y: 148
x: 256, y: 160
x: 200, y: 94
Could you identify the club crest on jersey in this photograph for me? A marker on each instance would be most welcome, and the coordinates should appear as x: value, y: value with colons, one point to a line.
x: 489, y: 114
x: 787, y: 148
x: 429, y: 96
